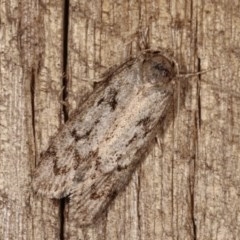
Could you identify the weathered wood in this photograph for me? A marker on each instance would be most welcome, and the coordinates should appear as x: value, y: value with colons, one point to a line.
x: 30, y: 73
x: 188, y: 187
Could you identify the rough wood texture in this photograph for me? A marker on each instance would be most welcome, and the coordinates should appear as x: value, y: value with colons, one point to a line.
x: 31, y: 53
x: 188, y: 187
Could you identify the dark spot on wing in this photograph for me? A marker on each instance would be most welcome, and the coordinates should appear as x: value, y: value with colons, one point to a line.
x: 77, y: 159
x: 132, y: 139
x: 62, y: 170
x: 94, y: 196
x: 87, y: 133
x: 77, y: 136
x: 92, y: 154
x: 51, y: 152
x: 119, y: 157
x: 59, y: 170
x: 112, y: 194
x: 69, y: 148
x: 100, y: 101
x: 110, y: 99
x: 144, y: 122
x: 120, y: 168
x: 98, y: 163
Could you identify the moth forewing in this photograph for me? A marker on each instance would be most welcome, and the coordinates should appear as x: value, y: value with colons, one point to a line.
x: 93, y: 156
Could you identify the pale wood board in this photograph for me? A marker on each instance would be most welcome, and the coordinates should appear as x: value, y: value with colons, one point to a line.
x: 188, y: 187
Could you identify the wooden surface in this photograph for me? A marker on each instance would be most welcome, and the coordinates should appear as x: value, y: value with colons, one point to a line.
x: 188, y: 187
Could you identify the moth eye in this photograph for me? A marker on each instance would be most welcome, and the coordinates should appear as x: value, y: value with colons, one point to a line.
x: 162, y: 70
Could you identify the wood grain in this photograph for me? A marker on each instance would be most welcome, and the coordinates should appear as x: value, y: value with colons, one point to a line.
x: 188, y: 187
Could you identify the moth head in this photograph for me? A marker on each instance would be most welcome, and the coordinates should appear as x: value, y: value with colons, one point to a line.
x: 158, y: 70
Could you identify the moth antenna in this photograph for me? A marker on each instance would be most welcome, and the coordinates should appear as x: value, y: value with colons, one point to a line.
x: 186, y: 75
x: 214, y: 86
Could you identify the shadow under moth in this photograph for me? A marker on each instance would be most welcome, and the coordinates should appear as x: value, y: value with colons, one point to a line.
x: 95, y: 153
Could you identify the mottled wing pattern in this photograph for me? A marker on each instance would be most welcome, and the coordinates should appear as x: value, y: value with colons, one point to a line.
x: 69, y: 156
x: 93, y: 156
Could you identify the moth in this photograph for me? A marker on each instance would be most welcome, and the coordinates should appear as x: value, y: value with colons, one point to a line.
x: 94, y: 154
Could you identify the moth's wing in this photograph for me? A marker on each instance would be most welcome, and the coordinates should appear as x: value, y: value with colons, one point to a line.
x: 99, y: 141
x: 95, y: 152
x: 72, y: 150
x: 86, y: 206
x: 114, y: 166
x: 53, y: 176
